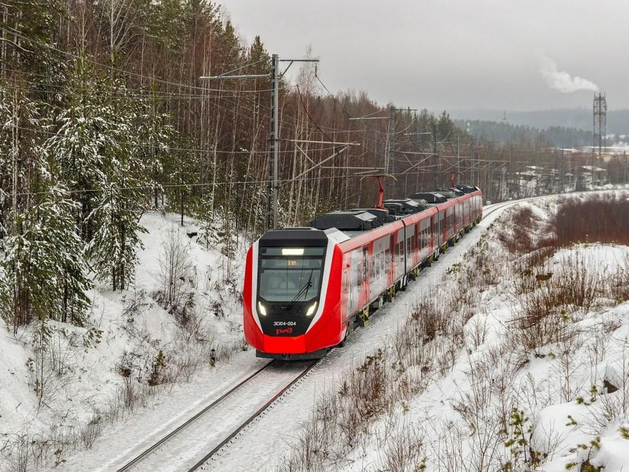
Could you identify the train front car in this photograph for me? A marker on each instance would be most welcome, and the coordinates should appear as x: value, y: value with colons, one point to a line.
x: 291, y: 294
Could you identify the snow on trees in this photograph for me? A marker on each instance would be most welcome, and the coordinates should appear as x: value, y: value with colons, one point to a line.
x: 114, y: 245
x: 45, y: 273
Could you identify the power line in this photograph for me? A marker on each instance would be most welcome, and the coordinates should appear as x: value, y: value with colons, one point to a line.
x: 134, y: 90
x: 167, y: 186
x: 290, y: 120
x: 104, y: 66
x: 171, y: 148
x: 149, y: 78
x: 310, y: 117
x: 332, y: 95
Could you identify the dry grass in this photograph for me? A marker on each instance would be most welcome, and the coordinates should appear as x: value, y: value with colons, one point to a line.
x: 424, y: 349
x: 550, y: 303
x: 598, y: 218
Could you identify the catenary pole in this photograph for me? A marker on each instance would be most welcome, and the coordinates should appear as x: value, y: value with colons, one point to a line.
x: 458, y: 158
x: 274, y: 145
x: 274, y: 138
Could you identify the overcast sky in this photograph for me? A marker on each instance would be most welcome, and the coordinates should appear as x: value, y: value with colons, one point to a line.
x: 447, y: 54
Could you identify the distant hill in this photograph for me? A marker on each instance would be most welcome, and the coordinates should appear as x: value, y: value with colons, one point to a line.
x: 501, y: 131
x: 580, y: 118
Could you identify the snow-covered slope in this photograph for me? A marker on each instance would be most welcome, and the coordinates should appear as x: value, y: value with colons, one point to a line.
x: 94, y: 375
x: 513, y: 361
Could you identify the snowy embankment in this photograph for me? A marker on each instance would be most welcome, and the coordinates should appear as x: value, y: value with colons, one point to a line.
x: 442, y: 379
x: 517, y: 360
x: 128, y: 356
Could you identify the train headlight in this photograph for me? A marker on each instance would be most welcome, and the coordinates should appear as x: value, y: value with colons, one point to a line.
x: 311, y: 309
x: 261, y: 309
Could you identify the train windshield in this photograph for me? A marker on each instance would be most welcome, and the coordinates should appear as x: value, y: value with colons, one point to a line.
x: 290, y: 274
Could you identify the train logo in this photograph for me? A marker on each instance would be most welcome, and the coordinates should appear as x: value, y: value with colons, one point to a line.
x: 284, y: 331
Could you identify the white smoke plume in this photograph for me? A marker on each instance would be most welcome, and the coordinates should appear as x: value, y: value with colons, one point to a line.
x: 561, y: 80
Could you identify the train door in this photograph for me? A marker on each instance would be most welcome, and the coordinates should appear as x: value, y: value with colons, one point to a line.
x: 400, y: 263
x: 410, y: 247
x: 379, y: 265
x: 345, y: 309
x: 424, y: 247
x: 450, y: 223
x: 416, y: 244
x: 355, y: 281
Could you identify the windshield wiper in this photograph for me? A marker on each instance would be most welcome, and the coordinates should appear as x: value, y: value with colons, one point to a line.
x: 304, y: 290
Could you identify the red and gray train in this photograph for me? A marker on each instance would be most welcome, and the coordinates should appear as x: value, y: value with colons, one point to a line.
x: 306, y: 288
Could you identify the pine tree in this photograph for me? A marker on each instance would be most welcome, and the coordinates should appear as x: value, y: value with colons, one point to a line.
x: 21, y: 166
x: 28, y: 36
x: 82, y: 140
x: 154, y: 135
x: 113, y: 248
x: 45, y: 274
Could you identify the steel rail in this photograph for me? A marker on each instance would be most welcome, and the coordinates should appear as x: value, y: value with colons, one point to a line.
x: 253, y: 417
x: 188, y: 422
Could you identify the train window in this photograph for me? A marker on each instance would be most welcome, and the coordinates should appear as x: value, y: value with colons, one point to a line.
x: 282, y: 279
x: 365, y: 267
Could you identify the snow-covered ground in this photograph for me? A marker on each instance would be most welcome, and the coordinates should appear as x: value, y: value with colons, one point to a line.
x: 266, y: 442
x: 97, y: 375
x: 141, y: 334
x: 544, y: 385
x: 500, y: 385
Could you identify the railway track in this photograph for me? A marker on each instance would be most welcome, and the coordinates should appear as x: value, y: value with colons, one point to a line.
x: 217, y: 424
x: 499, y: 206
x: 185, y: 448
